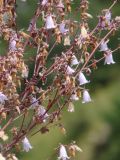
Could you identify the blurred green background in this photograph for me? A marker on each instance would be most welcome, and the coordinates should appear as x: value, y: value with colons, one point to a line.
x: 95, y: 126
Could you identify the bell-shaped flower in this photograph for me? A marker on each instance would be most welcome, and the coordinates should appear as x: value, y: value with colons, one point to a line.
x: 42, y: 113
x: 109, y: 58
x: 104, y: 46
x: 108, y: 16
x: 60, y: 4
x: 86, y: 97
x: 34, y: 102
x: 25, y: 72
x: 12, y: 45
x: 84, y: 33
x: 62, y: 28
x: 1, y: 157
x: 49, y: 24
x: 69, y: 70
x: 26, y: 144
x: 70, y: 107
x: 63, y: 153
x: 74, y: 60
x: 44, y: 2
x: 74, y: 97
x: 67, y: 40
x: 3, y: 98
x: 82, y: 79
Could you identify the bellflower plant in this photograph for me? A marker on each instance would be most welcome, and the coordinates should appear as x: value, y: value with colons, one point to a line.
x: 25, y: 90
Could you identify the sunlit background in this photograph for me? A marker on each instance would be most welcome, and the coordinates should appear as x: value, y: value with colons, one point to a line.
x: 96, y: 126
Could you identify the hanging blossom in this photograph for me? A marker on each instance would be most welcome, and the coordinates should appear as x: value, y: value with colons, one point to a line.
x: 74, y: 60
x: 109, y: 58
x: 74, y: 97
x: 69, y: 70
x: 73, y: 148
x: 34, y: 102
x: 3, y: 98
x: 13, y: 42
x: 63, y: 153
x: 84, y: 33
x: 104, y: 46
x: 67, y: 40
x: 86, y: 97
x: 70, y: 107
x: 49, y: 24
x: 108, y: 16
x: 82, y: 79
x: 44, y: 2
x: 26, y: 145
x: 62, y: 28
x: 1, y: 157
x: 60, y: 6
x: 41, y: 111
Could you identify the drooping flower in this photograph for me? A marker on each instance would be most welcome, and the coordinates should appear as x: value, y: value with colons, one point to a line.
x: 67, y: 40
x: 84, y: 33
x: 25, y: 72
x: 44, y: 2
x: 34, y: 102
x: 73, y: 148
x: 70, y: 107
x: 74, y: 60
x: 74, y: 97
x: 108, y: 16
x: 69, y: 70
x: 63, y: 153
x: 49, y: 24
x: 1, y: 157
x: 60, y: 4
x: 82, y: 79
x: 42, y: 113
x: 3, y: 136
x: 109, y: 58
x: 104, y: 46
x: 26, y: 145
x: 3, y: 98
x: 12, y: 45
x: 62, y: 28
x: 86, y: 97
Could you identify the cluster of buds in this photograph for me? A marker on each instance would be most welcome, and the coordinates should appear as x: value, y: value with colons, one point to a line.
x: 39, y: 94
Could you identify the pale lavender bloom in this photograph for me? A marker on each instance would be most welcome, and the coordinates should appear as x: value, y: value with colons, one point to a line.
x: 104, y: 46
x: 62, y: 28
x: 82, y: 79
x: 12, y: 45
x: 108, y: 16
x: 71, y: 107
x: 63, y: 153
x: 42, y: 112
x: 86, y: 97
x: 25, y: 72
x: 26, y: 144
x: 74, y: 97
x: 3, y: 98
x: 60, y: 4
x: 49, y: 24
x: 74, y: 60
x: 109, y: 59
x: 69, y: 70
x: 44, y: 2
x: 34, y: 102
